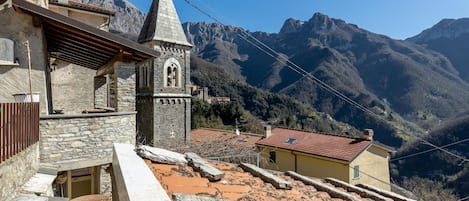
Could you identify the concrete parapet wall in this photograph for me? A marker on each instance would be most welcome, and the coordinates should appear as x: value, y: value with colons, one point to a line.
x: 17, y: 170
x: 84, y: 140
x: 132, y: 178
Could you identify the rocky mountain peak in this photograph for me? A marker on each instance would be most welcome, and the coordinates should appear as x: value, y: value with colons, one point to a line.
x: 321, y: 21
x: 128, y: 19
x: 291, y: 26
x: 446, y: 28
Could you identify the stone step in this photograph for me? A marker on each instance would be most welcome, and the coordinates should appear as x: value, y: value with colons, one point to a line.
x: 47, y: 168
x: 39, y: 184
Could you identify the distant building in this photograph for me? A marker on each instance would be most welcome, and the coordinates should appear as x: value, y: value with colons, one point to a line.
x: 353, y: 160
x: 202, y: 93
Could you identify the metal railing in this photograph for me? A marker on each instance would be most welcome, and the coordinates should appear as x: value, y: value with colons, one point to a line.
x: 19, y: 128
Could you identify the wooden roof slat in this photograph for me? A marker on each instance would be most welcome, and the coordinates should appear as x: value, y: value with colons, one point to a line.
x: 64, y: 35
x: 92, y: 55
x: 70, y: 53
x: 80, y: 42
x: 83, y: 47
x: 80, y: 61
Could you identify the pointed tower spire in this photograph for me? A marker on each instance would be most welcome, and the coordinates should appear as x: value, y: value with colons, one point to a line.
x: 162, y: 24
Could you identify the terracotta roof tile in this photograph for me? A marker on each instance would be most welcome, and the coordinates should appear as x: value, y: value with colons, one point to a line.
x: 236, y: 185
x: 331, y: 146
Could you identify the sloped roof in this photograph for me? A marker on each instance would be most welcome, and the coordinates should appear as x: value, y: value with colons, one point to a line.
x: 82, y: 6
x: 162, y: 24
x: 325, y: 145
x: 79, y: 43
x: 236, y: 184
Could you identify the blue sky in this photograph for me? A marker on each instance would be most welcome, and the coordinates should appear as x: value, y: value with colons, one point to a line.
x: 395, y: 18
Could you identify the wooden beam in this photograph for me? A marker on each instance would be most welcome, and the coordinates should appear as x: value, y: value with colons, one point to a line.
x: 69, y: 184
x: 62, y: 33
x: 52, y: 40
x: 75, y: 54
x: 80, y: 61
x: 73, y: 42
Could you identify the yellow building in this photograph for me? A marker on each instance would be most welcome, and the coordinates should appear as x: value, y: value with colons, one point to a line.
x: 353, y: 160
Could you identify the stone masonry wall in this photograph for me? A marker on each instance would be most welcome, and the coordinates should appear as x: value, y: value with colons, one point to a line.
x: 100, y: 91
x: 72, y: 88
x: 84, y: 137
x: 19, y: 27
x: 145, y: 119
x: 171, y: 122
x: 18, y: 170
x: 126, y: 86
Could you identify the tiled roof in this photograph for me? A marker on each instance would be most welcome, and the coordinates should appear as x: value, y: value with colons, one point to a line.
x: 330, y: 146
x: 211, y: 143
x: 82, y: 6
x: 236, y: 185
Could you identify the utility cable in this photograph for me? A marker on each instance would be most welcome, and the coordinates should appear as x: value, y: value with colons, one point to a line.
x: 301, y: 71
x: 429, y: 150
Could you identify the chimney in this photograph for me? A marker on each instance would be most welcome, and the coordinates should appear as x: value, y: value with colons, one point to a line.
x: 368, y: 134
x: 267, y: 131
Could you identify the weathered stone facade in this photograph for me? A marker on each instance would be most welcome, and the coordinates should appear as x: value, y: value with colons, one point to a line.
x: 167, y: 97
x: 84, y: 140
x: 171, y: 125
x: 126, y: 91
x: 72, y: 88
x: 18, y: 170
x: 14, y: 78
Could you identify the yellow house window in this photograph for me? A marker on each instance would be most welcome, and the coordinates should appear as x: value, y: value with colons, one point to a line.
x: 272, y: 157
x: 356, y: 172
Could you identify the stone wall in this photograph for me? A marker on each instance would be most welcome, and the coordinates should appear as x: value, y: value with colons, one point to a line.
x: 100, y: 91
x: 172, y: 120
x: 84, y: 140
x: 18, y: 170
x: 19, y: 27
x: 126, y: 83
x: 145, y: 118
x: 72, y: 88
x: 179, y: 53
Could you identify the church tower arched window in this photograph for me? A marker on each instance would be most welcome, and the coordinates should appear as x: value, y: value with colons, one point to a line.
x: 172, y: 73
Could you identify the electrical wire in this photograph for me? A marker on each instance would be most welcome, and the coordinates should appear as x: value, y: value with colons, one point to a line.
x: 298, y: 69
x: 429, y: 150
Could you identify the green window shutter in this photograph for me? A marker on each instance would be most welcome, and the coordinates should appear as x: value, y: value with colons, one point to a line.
x: 356, y: 172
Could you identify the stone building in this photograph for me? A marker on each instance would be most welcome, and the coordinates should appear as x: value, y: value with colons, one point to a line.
x: 86, y: 81
x: 163, y: 92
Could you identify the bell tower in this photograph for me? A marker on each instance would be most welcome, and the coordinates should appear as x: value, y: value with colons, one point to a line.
x: 163, y: 91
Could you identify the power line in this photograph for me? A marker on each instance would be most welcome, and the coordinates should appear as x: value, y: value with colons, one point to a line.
x: 298, y: 69
x: 429, y: 150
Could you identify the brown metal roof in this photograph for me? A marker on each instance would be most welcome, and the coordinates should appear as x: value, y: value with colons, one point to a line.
x: 330, y: 146
x: 82, y: 6
x: 79, y: 43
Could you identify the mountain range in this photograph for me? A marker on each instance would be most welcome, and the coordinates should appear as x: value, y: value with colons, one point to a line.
x: 418, y: 85
x: 420, y: 79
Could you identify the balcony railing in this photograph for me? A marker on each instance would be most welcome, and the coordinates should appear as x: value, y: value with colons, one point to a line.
x: 19, y: 128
